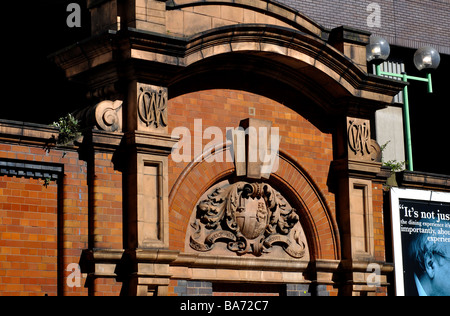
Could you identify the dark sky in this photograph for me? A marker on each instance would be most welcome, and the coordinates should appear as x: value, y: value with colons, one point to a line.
x: 35, y: 89
x: 430, y: 115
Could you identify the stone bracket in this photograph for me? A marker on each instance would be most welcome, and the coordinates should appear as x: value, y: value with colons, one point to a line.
x: 104, y: 116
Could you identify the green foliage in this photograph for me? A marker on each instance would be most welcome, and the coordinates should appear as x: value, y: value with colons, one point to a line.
x: 69, y: 129
x: 394, y: 165
x: 47, y: 182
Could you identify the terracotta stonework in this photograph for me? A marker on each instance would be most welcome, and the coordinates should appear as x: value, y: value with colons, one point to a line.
x: 140, y: 223
x: 252, y: 218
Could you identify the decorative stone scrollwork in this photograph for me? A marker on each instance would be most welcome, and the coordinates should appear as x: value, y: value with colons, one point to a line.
x: 105, y: 116
x: 251, y: 218
x: 108, y: 116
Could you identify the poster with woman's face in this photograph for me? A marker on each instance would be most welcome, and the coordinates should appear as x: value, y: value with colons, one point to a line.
x: 421, y: 227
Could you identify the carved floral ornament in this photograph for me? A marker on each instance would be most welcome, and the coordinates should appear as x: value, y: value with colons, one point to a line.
x: 249, y: 218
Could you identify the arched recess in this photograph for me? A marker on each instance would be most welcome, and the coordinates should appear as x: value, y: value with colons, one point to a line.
x: 290, y: 179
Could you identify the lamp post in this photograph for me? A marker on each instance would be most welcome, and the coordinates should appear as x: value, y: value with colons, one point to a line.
x: 425, y: 59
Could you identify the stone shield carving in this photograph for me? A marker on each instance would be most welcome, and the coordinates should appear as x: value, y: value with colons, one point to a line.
x: 251, y: 218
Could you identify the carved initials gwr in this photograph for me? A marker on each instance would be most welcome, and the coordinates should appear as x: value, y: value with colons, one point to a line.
x: 152, y: 106
x: 359, y: 137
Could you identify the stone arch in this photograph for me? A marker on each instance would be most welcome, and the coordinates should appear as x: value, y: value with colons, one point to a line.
x: 255, y: 11
x: 320, y: 227
x: 301, y: 48
x: 304, y: 62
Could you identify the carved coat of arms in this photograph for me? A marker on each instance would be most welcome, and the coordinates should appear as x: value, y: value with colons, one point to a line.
x: 250, y: 218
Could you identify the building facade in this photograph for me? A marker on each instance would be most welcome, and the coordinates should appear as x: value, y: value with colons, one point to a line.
x: 225, y: 148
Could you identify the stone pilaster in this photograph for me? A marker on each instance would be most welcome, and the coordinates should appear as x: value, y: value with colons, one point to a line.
x: 355, y: 174
x: 147, y: 147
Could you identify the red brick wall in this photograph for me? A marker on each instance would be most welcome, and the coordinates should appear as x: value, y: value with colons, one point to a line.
x: 378, y: 222
x: 29, y: 222
x: 90, y: 194
x: 226, y: 108
x: 28, y: 230
x: 308, y: 146
x: 106, y: 217
x: 107, y: 204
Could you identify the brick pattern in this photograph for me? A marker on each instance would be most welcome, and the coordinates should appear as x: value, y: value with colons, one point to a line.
x: 297, y: 290
x: 91, y: 196
x: 203, y: 288
x: 409, y: 23
x: 107, y: 204
x: 226, y: 108
x: 378, y: 222
x: 305, y: 144
x: 233, y: 289
x: 28, y: 243
x: 149, y: 15
x: 38, y: 204
x: 309, y: 290
x: 29, y: 221
x: 193, y: 288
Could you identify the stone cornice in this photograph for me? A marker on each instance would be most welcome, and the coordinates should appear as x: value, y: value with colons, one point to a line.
x: 159, y: 58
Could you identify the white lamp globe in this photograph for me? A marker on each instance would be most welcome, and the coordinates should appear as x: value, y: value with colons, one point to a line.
x: 378, y: 49
x: 427, y: 58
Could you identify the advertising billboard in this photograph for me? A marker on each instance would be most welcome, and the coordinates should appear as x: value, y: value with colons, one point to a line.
x: 421, y: 235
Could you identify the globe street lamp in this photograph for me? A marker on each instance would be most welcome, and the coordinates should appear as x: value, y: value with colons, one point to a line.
x: 378, y: 50
x: 425, y: 59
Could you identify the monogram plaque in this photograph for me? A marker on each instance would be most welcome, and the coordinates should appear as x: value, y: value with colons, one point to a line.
x: 249, y: 218
x: 359, y: 137
x: 360, y: 144
x: 152, y: 106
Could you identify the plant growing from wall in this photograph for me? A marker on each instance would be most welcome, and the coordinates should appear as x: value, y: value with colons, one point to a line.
x: 68, y: 128
x: 47, y: 182
x: 394, y: 165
